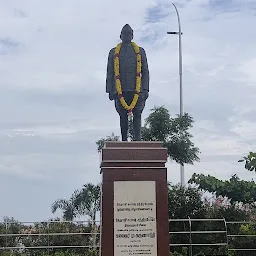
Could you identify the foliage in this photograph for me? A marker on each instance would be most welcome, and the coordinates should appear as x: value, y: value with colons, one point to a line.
x: 160, y: 126
x: 27, y: 235
x: 82, y: 202
x: 100, y: 143
x: 69, y: 208
x: 250, y: 161
x: 192, y: 202
x: 85, y: 202
x: 221, y: 208
x: 235, y: 189
x: 88, y: 200
x: 185, y: 202
x: 246, y: 239
x: 10, y: 226
x: 184, y: 252
x: 38, y: 253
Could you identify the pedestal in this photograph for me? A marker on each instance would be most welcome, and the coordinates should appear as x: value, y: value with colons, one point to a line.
x: 134, y: 199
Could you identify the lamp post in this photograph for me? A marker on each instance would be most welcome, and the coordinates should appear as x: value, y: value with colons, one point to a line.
x: 182, y: 176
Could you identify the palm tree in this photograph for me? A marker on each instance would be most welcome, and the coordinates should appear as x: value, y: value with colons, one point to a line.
x: 89, y: 200
x: 68, y: 207
x: 85, y: 202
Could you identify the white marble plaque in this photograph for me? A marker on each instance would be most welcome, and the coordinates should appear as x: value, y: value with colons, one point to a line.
x: 135, y: 218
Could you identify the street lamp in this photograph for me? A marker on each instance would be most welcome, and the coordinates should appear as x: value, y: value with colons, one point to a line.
x: 182, y: 176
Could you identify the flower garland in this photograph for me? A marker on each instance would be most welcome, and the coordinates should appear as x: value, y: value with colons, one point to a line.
x: 130, y: 107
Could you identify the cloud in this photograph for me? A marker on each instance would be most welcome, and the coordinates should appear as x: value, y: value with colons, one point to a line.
x: 8, y: 46
x: 53, y: 105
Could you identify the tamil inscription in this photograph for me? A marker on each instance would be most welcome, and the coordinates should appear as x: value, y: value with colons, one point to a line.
x: 135, y: 218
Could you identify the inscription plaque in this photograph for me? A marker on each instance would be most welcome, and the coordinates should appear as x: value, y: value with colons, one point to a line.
x: 135, y: 218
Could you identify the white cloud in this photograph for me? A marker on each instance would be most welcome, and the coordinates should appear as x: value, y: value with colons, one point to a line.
x: 53, y: 105
x: 248, y: 68
x: 245, y: 129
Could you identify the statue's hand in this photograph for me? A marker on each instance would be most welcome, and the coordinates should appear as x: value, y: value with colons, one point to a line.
x: 111, y: 96
x: 144, y: 95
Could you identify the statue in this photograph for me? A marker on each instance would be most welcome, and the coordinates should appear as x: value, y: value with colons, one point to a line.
x: 127, y: 81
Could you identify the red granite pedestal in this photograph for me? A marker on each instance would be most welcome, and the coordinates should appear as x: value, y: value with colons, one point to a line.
x: 134, y: 199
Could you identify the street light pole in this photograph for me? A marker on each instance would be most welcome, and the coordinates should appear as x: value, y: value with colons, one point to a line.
x: 182, y: 175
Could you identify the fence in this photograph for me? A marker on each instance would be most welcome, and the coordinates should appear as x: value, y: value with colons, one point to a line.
x: 224, y: 233
x: 82, y: 235
x: 48, y: 236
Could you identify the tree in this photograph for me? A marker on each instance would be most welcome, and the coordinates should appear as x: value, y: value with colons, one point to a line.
x: 83, y: 202
x: 250, y: 161
x: 69, y: 208
x: 192, y: 202
x: 88, y: 200
x: 100, y: 143
x: 235, y: 189
x: 185, y: 202
x: 160, y: 126
x: 17, y: 234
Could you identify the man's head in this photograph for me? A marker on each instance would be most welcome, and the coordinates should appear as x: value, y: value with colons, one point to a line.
x: 126, y: 34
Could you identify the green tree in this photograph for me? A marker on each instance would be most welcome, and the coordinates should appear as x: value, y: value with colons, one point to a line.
x: 250, y: 161
x: 100, y: 143
x: 88, y: 200
x: 69, y: 207
x: 173, y: 131
x: 185, y: 202
x: 40, y: 234
x: 84, y: 202
x: 9, y: 226
x: 192, y: 202
x: 235, y: 189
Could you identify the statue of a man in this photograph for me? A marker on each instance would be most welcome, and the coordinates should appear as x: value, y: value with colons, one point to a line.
x: 128, y: 74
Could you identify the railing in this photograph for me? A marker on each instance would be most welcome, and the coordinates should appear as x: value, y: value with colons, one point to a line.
x: 231, y: 223
x: 192, y: 232
x: 81, y: 235
x: 224, y: 232
x: 49, y: 235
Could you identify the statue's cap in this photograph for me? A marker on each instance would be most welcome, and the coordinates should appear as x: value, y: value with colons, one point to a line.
x: 127, y: 26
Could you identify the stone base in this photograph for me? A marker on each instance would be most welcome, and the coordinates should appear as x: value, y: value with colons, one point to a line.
x: 134, y: 199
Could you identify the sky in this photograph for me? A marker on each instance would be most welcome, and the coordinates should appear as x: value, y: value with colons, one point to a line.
x: 53, y: 105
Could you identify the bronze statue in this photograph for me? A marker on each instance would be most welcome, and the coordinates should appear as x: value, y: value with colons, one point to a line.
x: 128, y: 74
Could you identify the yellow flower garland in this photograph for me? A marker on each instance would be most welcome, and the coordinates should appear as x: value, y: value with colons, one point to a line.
x: 130, y: 107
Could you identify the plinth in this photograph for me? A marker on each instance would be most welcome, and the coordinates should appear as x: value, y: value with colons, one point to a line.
x: 134, y: 199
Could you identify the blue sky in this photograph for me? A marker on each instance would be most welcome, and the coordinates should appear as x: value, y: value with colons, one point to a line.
x: 53, y: 105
